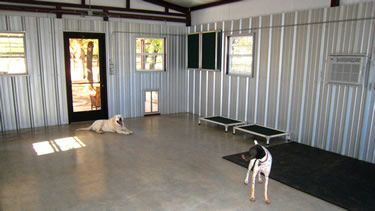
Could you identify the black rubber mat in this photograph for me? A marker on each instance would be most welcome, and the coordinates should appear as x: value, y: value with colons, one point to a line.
x: 222, y: 120
x: 261, y: 130
x: 340, y: 180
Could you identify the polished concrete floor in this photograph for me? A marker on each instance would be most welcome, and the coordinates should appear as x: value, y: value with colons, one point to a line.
x: 169, y: 163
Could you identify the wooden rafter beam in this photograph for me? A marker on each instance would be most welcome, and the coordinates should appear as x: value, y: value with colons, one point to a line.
x: 101, y: 11
x: 213, y: 4
x: 168, y: 5
x: 54, y: 4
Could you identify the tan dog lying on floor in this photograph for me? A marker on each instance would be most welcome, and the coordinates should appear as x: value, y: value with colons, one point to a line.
x: 114, y: 124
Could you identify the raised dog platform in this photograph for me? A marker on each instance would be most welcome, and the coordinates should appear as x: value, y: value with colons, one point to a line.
x: 219, y: 120
x: 261, y: 131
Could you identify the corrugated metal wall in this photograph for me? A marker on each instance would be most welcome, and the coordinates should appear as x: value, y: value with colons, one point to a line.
x: 129, y: 85
x: 287, y: 90
x: 39, y: 99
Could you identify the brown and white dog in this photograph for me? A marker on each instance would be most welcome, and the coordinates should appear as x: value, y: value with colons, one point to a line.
x: 260, y: 162
x: 114, y: 124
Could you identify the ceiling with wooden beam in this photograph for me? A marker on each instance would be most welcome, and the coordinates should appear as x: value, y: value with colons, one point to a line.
x: 175, y: 10
x: 191, y: 4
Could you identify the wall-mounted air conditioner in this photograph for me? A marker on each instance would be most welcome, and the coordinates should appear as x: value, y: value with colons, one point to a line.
x: 346, y: 69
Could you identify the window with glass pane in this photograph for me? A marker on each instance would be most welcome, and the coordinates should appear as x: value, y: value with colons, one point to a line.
x: 12, y: 53
x: 150, y: 54
x: 240, y: 54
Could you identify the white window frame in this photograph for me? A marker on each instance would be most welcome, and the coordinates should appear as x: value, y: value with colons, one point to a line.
x: 24, y: 55
x: 164, y: 54
x: 230, y: 55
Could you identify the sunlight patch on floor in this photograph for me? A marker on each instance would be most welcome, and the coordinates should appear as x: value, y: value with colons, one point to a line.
x: 57, y: 145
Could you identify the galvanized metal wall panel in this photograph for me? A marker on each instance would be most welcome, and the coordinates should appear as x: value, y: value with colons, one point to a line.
x: 131, y: 84
x: 288, y: 91
x: 39, y: 99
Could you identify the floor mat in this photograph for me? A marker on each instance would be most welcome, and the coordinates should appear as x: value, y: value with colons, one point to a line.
x: 340, y: 180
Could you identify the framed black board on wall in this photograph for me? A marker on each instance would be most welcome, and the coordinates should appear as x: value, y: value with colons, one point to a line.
x: 193, y: 51
x: 204, y: 50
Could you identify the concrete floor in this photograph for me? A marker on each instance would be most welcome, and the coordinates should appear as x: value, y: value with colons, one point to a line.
x: 169, y: 163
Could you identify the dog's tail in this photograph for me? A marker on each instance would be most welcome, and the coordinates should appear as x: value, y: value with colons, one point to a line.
x: 85, y: 128
x: 255, y: 142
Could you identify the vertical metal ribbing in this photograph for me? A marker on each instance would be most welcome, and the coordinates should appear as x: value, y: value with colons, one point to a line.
x: 41, y: 72
x: 238, y: 81
x: 200, y: 94
x: 268, y: 70
x: 321, y: 65
x: 238, y: 95
x: 194, y: 91
x: 55, y: 71
x: 206, y: 93
x: 229, y: 93
x: 280, y: 70
x: 305, y: 79
x: 247, y: 84
x: 331, y: 90
x: 330, y: 120
x: 358, y: 132
x: 367, y: 100
x: 258, y: 70
x: 292, y: 71
x: 370, y: 135
x: 131, y: 76
x: 222, y: 73
x: 230, y: 79
x: 188, y: 91
x: 29, y: 99
x: 347, y: 119
x: 15, y: 102
x: 1, y: 116
x: 247, y: 98
x: 214, y: 77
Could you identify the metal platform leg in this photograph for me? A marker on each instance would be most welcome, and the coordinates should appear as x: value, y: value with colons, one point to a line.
x: 268, y: 141
x: 234, y: 131
x: 199, y: 121
x: 226, y: 129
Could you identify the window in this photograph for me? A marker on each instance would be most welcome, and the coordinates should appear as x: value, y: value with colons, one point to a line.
x: 150, y: 54
x: 240, y: 54
x: 204, y: 50
x: 12, y: 53
x: 151, y: 102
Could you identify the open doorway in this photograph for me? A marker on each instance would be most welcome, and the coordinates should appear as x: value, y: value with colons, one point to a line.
x: 151, y: 102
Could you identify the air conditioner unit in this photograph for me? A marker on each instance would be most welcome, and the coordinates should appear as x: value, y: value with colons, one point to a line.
x: 346, y: 69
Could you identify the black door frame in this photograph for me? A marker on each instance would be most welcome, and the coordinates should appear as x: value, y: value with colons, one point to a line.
x: 86, y: 115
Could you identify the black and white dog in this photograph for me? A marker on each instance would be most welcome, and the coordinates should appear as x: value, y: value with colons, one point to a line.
x: 260, y: 162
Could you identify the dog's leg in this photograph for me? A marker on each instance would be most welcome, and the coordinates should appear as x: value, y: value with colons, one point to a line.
x: 251, y: 163
x: 253, y: 177
x: 259, y: 177
x: 98, y: 128
x: 123, y: 132
x: 266, y: 199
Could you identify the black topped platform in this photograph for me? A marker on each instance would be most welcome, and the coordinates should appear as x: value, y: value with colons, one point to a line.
x: 260, y: 130
x: 219, y: 120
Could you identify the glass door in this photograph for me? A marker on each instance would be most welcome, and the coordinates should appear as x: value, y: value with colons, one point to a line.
x: 85, y: 76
